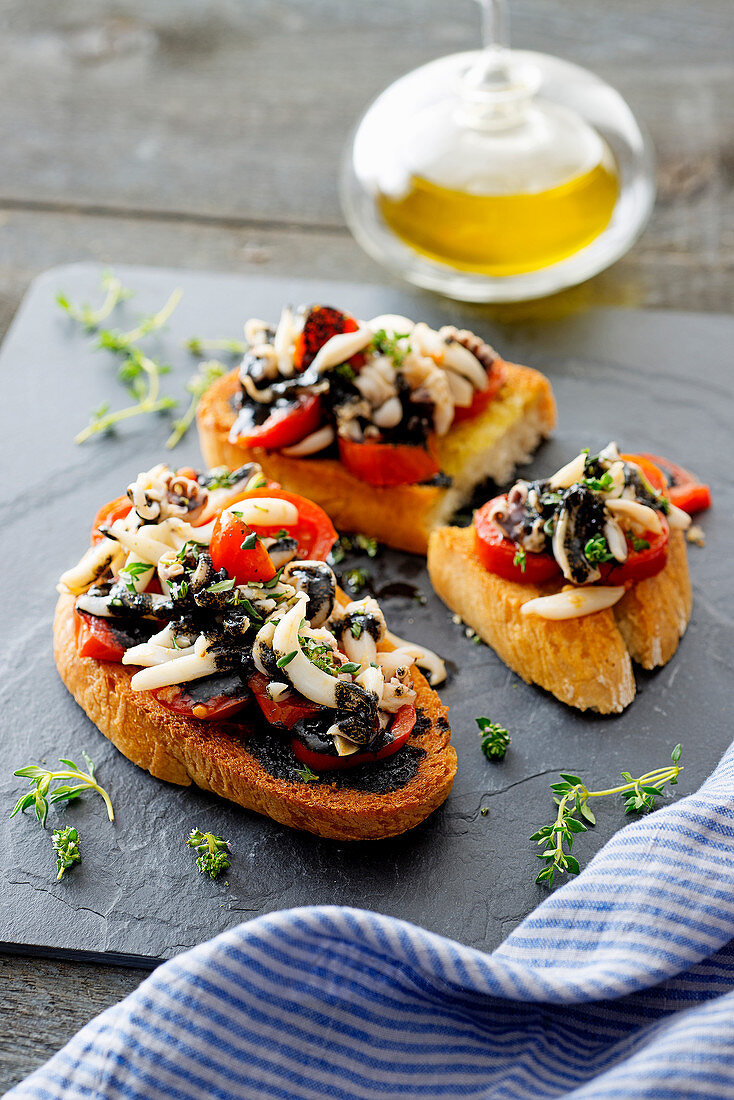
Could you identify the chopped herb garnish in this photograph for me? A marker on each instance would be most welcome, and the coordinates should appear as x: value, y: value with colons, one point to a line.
x: 356, y: 629
x: 66, y: 846
x: 599, y: 484
x: 639, y: 544
x: 212, y: 852
x: 597, y: 550
x: 350, y: 666
x: 276, y: 579
x: 495, y: 739
x: 520, y: 558
x: 356, y: 579
x: 130, y: 572
x: 344, y: 370
x: 250, y: 542
x: 306, y: 774
x: 571, y: 796
x: 389, y: 344
x: 221, y: 586
x: 286, y: 659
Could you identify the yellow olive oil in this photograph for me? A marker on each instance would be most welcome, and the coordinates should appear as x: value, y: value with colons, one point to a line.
x: 503, y: 234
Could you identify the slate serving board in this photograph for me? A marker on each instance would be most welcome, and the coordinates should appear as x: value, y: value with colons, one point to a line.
x: 654, y: 381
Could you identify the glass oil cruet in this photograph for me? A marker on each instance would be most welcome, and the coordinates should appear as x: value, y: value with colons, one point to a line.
x: 498, y: 174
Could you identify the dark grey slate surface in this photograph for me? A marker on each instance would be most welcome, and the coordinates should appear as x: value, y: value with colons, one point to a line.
x: 654, y: 381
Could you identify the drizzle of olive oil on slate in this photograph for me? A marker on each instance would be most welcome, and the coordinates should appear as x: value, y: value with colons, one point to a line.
x: 653, y: 381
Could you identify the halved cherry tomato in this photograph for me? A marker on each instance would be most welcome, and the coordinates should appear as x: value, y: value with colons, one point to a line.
x: 95, y: 638
x: 497, y: 553
x: 314, y: 531
x: 214, y: 698
x: 322, y: 322
x: 682, y: 488
x: 640, y: 564
x: 286, y: 712
x: 388, y: 464
x: 483, y: 398
x: 230, y: 549
x: 400, y: 729
x: 286, y: 426
x: 108, y: 513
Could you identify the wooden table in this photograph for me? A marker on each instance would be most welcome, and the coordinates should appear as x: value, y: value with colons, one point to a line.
x: 208, y: 136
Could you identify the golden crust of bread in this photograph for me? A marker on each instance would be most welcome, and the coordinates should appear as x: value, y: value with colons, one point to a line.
x: 214, y: 755
x: 585, y: 662
x: 402, y: 516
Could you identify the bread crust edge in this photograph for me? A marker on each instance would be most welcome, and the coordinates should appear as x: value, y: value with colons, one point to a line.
x: 585, y: 662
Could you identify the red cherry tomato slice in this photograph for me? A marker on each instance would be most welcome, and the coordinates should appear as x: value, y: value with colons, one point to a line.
x: 640, y: 564
x: 314, y: 531
x: 483, y: 398
x: 387, y: 464
x: 285, y: 712
x: 95, y: 638
x: 322, y: 761
x: 230, y: 549
x: 322, y: 322
x: 286, y: 426
x: 108, y: 513
x: 178, y: 699
x: 497, y: 553
x: 682, y: 488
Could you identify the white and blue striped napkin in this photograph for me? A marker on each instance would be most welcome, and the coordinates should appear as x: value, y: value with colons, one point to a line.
x: 621, y: 984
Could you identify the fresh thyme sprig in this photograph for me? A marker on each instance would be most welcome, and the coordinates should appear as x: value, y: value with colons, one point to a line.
x: 90, y: 319
x: 495, y: 739
x: 213, y: 852
x: 115, y: 340
x: 571, y: 797
x: 41, y: 793
x: 197, y: 386
x: 197, y: 346
x: 145, y: 376
x: 66, y: 846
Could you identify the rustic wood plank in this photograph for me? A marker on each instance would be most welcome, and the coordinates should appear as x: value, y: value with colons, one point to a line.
x: 244, y: 109
x: 45, y: 1002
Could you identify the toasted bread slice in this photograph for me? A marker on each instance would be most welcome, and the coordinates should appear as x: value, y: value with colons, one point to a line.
x: 585, y: 662
x: 489, y: 445
x: 215, y: 756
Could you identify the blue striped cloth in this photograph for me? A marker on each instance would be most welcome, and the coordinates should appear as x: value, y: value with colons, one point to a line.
x: 621, y: 984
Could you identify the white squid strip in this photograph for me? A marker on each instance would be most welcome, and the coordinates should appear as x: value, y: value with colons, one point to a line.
x: 635, y: 514
x: 140, y: 542
x: 180, y: 671
x: 458, y: 358
x: 462, y: 391
x: 283, y: 342
x: 395, y: 695
x: 392, y: 660
x: 426, y: 659
x: 569, y: 474
x: 265, y: 512
x: 149, y: 655
x: 392, y: 323
x: 677, y: 519
x: 340, y: 348
x: 316, y: 685
x: 573, y: 603
x: 342, y: 744
x: 314, y: 442
x: 94, y: 564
